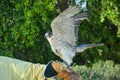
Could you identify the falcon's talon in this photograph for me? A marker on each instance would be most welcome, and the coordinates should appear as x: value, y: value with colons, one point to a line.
x: 65, y: 63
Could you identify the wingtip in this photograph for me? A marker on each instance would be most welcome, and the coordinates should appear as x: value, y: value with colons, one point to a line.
x: 77, y: 6
x: 81, y: 16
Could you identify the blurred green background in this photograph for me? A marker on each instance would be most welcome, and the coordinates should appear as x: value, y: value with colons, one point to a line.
x: 23, y: 24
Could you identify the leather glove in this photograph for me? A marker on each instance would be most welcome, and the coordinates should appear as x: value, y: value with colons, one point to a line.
x: 56, y: 68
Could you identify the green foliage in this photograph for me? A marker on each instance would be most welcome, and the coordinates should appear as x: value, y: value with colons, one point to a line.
x: 99, y: 71
x: 22, y: 28
x: 23, y: 24
x: 101, y: 27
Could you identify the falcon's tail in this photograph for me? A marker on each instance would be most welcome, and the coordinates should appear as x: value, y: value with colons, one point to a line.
x: 83, y: 47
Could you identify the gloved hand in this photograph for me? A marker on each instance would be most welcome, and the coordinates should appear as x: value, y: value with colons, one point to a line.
x: 62, y: 71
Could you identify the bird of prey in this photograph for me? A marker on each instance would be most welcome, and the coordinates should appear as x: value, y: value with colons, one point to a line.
x: 64, y: 34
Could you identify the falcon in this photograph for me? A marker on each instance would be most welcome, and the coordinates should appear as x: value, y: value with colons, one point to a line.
x: 64, y: 34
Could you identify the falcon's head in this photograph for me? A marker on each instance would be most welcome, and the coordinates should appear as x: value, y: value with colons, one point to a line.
x: 48, y: 35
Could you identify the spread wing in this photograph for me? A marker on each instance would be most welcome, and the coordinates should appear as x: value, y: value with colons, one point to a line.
x: 65, y: 25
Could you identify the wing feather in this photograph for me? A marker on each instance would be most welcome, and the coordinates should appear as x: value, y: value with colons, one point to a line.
x: 65, y: 25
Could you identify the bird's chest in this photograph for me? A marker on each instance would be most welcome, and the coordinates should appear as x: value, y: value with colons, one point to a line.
x: 60, y: 45
x: 57, y: 44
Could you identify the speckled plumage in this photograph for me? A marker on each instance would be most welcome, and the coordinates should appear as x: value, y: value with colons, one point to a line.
x: 65, y: 34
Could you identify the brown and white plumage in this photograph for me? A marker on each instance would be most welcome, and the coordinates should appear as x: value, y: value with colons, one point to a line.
x: 65, y: 34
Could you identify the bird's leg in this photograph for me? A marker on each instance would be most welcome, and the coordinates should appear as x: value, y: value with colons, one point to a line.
x: 65, y: 63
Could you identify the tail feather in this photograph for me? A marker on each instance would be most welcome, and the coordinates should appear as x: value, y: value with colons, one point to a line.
x: 81, y: 48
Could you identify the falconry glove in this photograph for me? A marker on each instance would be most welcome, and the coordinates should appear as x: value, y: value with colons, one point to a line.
x: 60, y: 70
